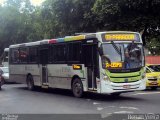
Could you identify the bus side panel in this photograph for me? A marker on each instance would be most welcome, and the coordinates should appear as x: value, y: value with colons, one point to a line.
x: 18, y: 73
x: 60, y: 75
x: 33, y: 69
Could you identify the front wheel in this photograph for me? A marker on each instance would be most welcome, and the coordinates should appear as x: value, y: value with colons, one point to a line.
x: 77, y: 88
x: 30, y: 83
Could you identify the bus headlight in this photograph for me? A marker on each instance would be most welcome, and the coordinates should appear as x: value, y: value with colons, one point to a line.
x: 106, y: 78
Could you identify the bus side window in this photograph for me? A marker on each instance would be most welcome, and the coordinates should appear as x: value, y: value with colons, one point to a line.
x: 14, y: 55
x: 51, y: 57
x: 74, y: 50
x: 23, y: 56
x: 33, y: 56
x: 59, y: 53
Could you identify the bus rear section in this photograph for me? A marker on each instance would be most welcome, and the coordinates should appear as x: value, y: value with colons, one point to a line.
x: 5, y: 57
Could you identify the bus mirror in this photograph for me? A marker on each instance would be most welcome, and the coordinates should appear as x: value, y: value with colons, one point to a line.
x: 100, y: 51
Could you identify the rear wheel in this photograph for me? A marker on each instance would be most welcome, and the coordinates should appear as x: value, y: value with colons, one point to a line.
x: 77, y: 88
x: 30, y: 83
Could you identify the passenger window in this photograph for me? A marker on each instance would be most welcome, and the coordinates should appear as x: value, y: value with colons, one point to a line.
x: 59, y: 52
x: 74, y: 50
x: 33, y: 55
x: 23, y: 56
x: 14, y: 54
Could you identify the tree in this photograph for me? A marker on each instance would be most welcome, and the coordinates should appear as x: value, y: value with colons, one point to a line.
x: 134, y: 15
x: 15, y: 22
x: 66, y: 17
x: 21, y: 22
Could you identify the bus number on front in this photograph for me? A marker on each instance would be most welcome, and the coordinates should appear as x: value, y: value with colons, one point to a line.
x: 114, y: 65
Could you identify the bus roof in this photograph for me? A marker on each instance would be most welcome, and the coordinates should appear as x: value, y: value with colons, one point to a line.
x: 69, y: 38
x: 30, y: 43
x: 6, y: 49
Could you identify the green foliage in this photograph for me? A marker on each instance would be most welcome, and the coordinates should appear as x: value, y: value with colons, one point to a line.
x: 66, y: 17
x: 22, y: 22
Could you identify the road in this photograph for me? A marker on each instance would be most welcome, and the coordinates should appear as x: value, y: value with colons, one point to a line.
x: 15, y: 98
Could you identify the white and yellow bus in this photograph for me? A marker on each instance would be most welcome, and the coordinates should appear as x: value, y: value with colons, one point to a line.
x: 103, y: 62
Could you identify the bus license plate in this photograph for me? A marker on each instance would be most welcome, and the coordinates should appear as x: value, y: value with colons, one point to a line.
x: 126, y: 86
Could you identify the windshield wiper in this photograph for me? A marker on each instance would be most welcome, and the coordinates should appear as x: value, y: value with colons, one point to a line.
x: 116, y: 48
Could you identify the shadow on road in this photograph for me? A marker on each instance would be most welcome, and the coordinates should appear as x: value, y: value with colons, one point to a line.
x: 87, y: 95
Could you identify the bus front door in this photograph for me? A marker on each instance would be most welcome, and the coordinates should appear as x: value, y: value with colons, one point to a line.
x: 91, y: 60
x: 43, y: 67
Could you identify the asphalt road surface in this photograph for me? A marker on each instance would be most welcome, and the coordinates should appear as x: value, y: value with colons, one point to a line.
x: 15, y: 98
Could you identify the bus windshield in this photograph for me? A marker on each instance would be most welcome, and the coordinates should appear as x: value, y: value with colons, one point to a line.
x: 122, y: 55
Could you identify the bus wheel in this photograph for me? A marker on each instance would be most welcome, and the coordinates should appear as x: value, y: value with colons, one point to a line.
x: 77, y: 88
x: 30, y: 83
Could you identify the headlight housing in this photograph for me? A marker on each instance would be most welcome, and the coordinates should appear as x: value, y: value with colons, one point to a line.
x: 105, y: 77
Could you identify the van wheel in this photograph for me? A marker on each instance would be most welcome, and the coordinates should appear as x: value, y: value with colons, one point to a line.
x: 30, y: 83
x: 77, y: 88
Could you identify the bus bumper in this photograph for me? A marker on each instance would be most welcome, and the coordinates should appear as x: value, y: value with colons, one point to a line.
x: 110, y: 87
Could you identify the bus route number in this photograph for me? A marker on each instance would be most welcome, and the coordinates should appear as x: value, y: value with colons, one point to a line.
x: 114, y: 65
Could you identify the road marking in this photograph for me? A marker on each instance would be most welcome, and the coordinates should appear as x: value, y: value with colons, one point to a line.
x: 146, y: 93
x: 96, y: 103
x: 112, y: 106
x: 118, y: 112
x: 100, y: 108
x: 132, y: 108
x: 106, y: 115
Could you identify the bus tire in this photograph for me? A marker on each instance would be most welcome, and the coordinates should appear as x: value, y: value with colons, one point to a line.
x: 77, y: 88
x: 30, y: 82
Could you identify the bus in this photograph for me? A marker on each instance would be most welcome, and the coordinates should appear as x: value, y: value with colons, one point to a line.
x: 5, y: 57
x: 109, y: 62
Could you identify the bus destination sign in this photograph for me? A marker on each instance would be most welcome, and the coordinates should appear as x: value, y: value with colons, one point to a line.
x: 120, y: 37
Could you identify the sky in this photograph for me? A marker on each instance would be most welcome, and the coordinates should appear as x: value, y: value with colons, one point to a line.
x: 34, y: 2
